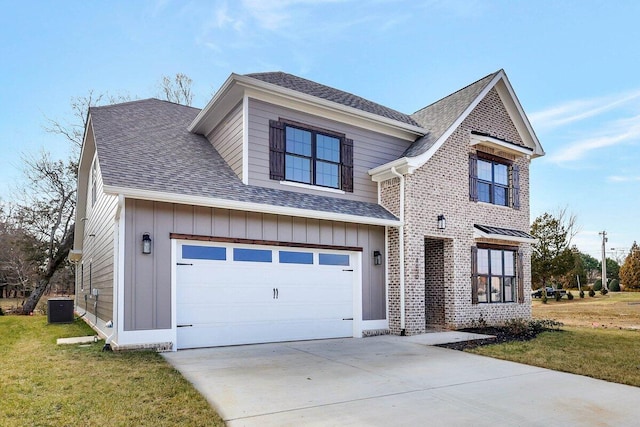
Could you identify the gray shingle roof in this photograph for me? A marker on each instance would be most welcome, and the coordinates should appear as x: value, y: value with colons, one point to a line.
x: 442, y: 114
x: 145, y: 145
x: 309, y: 87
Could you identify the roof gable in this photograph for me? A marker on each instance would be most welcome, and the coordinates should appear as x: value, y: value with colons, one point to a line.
x: 318, y: 90
x: 438, y: 117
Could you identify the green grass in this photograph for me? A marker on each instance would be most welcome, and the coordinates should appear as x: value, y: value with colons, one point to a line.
x: 49, y: 385
x: 601, y: 338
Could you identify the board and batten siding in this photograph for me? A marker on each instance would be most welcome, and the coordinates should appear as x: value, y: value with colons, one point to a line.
x: 147, y: 301
x: 226, y: 138
x: 97, y: 265
x: 370, y: 149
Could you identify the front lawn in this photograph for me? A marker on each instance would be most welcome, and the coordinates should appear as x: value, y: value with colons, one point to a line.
x: 49, y: 385
x: 601, y: 338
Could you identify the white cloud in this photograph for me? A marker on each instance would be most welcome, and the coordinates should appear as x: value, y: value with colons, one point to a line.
x: 621, y: 178
x: 573, y: 111
x: 610, y: 134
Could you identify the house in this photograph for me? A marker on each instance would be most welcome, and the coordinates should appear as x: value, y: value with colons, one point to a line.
x: 289, y: 210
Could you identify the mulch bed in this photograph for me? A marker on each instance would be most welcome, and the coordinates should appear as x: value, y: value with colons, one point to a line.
x: 502, y: 335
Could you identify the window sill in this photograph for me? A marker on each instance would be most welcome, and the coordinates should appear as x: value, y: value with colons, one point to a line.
x: 493, y: 204
x: 312, y: 187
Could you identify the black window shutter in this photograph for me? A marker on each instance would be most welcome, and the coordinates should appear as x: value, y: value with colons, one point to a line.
x: 276, y: 150
x: 515, y: 186
x: 347, y: 165
x: 473, y: 177
x: 520, y: 278
x: 474, y: 275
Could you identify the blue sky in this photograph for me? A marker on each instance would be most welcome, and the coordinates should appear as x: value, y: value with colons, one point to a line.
x: 574, y: 66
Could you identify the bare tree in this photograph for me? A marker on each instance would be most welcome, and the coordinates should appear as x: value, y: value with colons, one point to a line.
x: 46, y: 213
x: 73, y: 128
x: 177, y: 90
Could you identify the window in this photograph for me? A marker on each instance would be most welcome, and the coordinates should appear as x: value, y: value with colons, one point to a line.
x: 94, y: 181
x: 493, y: 180
x: 288, y: 257
x: 495, y: 277
x: 308, y: 155
x: 204, y: 252
x: 253, y: 255
x: 334, y: 259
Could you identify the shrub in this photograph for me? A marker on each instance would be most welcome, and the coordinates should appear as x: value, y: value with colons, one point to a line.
x: 614, y: 286
x: 581, y: 293
x: 544, y: 297
x: 1, y: 312
x: 570, y: 295
x: 603, y: 291
x: 558, y: 296
x: 598, y: 285
x: 592, y: 293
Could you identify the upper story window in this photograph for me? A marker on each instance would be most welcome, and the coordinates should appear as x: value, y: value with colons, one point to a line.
x: 494, y: 180
x: 94, y: 182
x: 309, y: 155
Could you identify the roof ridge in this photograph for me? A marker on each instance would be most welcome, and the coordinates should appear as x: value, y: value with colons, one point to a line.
x: 135, y: 101
x: 339, y: 96
x: 459, y: 90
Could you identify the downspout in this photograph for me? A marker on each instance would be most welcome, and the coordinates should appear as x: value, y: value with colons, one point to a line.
x: 114, y: 322
x: 401, y: 252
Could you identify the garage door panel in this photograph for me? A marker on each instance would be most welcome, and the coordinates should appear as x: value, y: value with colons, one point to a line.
x: 227, y: 302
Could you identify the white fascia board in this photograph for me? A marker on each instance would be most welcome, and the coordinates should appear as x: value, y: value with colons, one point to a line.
x: 477, y: 234
x: 297, y: 100
x: 245, y: 206
x: 538, y: 151
x: 500, y: 145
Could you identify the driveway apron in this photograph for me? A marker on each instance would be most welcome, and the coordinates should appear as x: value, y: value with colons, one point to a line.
x: 394, y: 381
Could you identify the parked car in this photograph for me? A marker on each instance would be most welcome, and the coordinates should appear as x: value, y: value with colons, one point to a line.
x: 550, y: 292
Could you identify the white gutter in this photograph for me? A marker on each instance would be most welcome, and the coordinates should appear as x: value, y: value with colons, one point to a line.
x: 401, y: 254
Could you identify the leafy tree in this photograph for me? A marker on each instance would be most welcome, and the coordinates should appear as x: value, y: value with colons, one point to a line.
x: 613, y: 269
x: 552, y: 257
x: 591, y: 267
x: 630, y: 270
x: 578, y: 270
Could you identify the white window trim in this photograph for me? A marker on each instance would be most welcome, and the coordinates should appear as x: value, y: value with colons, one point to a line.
x: 312, y: 187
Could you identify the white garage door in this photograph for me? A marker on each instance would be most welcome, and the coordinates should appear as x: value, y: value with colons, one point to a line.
x: 242, y: 294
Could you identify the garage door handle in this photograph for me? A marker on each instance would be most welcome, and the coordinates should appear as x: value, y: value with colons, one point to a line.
x: 184, y: 326
x: 275, y: 293
x: 348, y: 270
x: 183, y: 263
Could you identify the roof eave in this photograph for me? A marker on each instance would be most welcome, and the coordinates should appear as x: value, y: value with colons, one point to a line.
x: 255, y: 86
x: 159, y: 196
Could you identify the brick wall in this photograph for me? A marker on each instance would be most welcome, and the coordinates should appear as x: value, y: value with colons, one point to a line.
x: 441, y: 186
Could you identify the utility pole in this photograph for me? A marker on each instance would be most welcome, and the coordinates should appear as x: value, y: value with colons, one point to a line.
x: 604, y: 260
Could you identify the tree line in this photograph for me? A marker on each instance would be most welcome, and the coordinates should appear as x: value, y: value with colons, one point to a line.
x: 37, y: 225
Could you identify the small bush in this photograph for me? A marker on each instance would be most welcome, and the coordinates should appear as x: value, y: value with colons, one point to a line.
x: 1, y: 312
x: 558, y: 296
x: 592, y: 293
x: 598, y: 285
x: 614, y: 286
x: 581, y: 293
x: 570, y: 295
x: 603, y: 291
x: 544, y: 298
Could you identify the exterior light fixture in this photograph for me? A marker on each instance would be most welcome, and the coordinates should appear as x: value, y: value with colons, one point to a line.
x: 442, y: 222
x: 377, y: 258
x: 146, y: 243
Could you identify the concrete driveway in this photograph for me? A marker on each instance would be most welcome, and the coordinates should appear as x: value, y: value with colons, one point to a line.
x: 395, y: 381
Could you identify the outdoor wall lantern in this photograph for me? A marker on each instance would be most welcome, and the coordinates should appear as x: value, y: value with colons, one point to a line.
x: 146, y: 243
x: 377, y: 258
x: 442, y: 222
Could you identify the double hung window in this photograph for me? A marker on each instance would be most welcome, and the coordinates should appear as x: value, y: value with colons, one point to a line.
x: 312, y: 157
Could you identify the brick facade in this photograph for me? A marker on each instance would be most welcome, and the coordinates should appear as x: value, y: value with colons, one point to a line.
x: 441, y: 186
